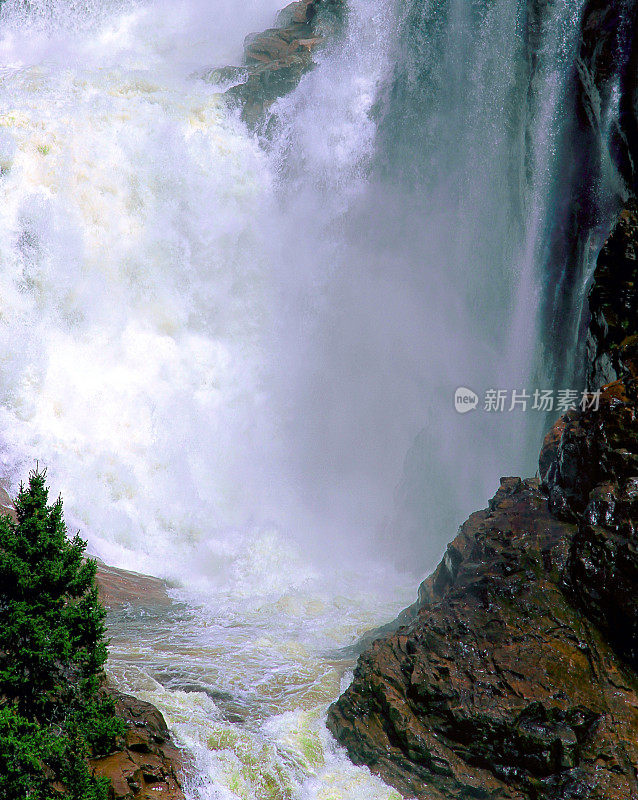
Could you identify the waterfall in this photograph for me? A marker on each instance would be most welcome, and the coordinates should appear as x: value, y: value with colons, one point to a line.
x: 442, y: 193
x: 237, y: 354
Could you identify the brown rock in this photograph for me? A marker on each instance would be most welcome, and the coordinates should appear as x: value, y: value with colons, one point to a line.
x: 119, y: 587
x: 595, y: 475
x: 499, y: 688
x: 276, y: 59
x: 148, y: 765
x: 515, y: 675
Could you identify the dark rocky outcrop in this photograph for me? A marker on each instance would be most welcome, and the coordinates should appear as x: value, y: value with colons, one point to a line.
x: 598, y: 160
x: 613, y: 299
x: 607, y: 73
x: 594, y: 480
x: 276, y: 59
x: 516, y: 678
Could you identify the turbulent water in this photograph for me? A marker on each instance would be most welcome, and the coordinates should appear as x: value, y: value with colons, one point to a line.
x: 237, y: 357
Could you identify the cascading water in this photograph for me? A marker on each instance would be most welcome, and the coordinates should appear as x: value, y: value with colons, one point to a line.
x: 447, y: 258
x: 222, y: 349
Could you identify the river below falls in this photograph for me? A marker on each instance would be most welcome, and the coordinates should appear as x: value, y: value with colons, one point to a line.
x: 244, y: 682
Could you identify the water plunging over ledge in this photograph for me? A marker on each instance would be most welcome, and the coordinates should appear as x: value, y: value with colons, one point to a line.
x: 222, y: 348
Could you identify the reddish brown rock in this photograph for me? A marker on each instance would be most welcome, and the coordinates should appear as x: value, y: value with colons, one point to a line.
x: 499, y: 688
x: 148, y: 765
x: 120, y: 587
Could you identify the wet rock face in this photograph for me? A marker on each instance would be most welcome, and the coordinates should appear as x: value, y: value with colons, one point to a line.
x: 276, y: 59
x: 148, y: 765
x: 500, y: 688
x: 598, y: 166
x: 607, y: 69
x: 613, y: 299
x: 515, y: 676
x: 594, y: 481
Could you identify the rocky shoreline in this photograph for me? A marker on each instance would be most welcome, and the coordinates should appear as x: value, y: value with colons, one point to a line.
x: 147, y: 763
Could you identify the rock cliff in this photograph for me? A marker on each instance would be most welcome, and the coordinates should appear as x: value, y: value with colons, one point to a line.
x: 613, y: 299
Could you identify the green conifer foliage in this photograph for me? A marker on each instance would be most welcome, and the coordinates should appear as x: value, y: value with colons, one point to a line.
x: 52, y: 653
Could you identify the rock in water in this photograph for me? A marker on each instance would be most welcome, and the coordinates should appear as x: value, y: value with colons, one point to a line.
x: 148, y: 765
x: 276, y: 59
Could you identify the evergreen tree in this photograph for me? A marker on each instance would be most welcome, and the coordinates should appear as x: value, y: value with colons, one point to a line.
x: 52, y: 653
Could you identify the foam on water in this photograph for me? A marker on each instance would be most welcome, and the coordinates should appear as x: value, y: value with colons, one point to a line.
x: 131, y: 299
x: 245, y: 681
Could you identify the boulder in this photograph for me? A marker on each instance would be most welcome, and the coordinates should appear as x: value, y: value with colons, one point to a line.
x: 148, y: 765
x: 276, y: 59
